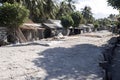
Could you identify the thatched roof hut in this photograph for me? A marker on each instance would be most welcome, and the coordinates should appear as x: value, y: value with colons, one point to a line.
x: 31, y: 26
x: 32, y: 31
x: 52, y: 28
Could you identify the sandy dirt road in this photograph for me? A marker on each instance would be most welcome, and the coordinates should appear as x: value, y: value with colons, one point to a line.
x: 74, y: 58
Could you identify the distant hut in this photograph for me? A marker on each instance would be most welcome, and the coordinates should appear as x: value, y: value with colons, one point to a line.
x: 27, y: 32
x: 52, y: 28
x: 90, y: 27
x: 32, y: 31
x: 49, y: 30
x: 82, y: 28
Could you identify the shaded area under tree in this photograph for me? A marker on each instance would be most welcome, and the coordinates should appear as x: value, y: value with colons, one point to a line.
x: 81, y: 62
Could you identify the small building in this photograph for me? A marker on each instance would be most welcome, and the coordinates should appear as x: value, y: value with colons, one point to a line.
x: 90, y: 27
x: 26, y: 32
x: 52, y: 28
x: 82, y: 28
x: 32, y: 31
x: 86, y: 28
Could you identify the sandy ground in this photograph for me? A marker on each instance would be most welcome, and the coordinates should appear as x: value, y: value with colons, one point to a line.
x: 73, y: 58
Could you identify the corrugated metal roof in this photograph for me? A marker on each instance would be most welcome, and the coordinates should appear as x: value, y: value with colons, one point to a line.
x: 90, y: 25
x: 48, y: 25
x: 83, y: 26
x: 56, y: 23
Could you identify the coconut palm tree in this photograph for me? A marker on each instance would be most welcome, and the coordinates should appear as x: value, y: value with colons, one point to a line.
x: 87, y: 14
x: 65, y: 8
x: 39, y: 9
x: 70, y: 4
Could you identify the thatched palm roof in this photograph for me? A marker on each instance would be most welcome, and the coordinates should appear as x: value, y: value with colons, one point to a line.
x: 31, y: 26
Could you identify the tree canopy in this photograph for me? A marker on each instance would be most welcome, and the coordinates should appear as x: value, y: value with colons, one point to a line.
x: 114, y: 3
x: 77, y: 17
x: 12, y: 15
x: 66, y: 7
x: 67, y: 21
x: 87, y: 14
x: 40, y: 10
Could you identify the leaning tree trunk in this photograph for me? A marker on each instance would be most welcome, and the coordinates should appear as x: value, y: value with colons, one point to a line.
x: 20, y: 36
x: 15, y: 35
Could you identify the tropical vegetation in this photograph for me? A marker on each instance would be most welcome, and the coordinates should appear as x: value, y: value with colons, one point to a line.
x: 114, y: 3
x: 41, y: 10
x: 77, y: 18
x: 67, y: 21
x: 12, y: 16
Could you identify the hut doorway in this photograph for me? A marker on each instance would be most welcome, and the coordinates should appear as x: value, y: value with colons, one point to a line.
x: 47, y: 33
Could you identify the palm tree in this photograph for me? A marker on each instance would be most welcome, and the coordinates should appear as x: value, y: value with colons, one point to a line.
x: 70, y: 4
x: 49, y: 9
x: 35, y: 7
x: 66, y: 7
x: 87, y: 14
x: 39, y: 9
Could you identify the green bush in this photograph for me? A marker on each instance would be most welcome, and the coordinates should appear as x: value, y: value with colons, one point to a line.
x: 13, y: 15
x: 66, y: 21
x: 96, y: 24
x: 114, y: 3
x: 77, y: 18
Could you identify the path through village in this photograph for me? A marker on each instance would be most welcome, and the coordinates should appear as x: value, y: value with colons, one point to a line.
x: 72, y: 58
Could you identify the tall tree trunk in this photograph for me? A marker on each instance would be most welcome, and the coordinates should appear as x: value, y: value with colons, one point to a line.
x: 15, y: 35
x: 20, y: 36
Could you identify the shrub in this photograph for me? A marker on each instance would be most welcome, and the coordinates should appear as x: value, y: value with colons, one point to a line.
x: 77, y: 18
x: 66, y: 21
x: 96, y: 24
x: 13, y: 15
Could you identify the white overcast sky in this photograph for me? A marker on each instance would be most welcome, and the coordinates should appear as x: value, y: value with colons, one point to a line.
x: 100, y: 8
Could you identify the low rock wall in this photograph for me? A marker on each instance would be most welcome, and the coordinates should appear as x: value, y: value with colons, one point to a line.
x: 108, y: 55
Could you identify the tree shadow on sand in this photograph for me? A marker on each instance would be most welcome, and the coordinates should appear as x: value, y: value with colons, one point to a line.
x: 79, y: 62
